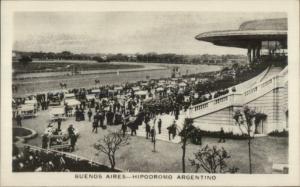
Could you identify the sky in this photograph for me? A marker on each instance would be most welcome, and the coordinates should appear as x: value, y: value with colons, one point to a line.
x: 126, y: 32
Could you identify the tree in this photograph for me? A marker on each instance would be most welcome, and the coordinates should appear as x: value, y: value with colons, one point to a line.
x: 110, y: 144
x: 25, y: 60
x: 187, y: 132
x: 248, y: 117
x: 212, y: 160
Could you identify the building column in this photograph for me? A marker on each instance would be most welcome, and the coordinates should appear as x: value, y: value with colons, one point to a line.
x: 249, y: 55
x: 258, y: 52
x: 253, y: 54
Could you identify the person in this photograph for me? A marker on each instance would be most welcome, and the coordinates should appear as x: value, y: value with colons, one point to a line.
x: 124, y: 128
x: 45, y: 141
x: 97, y: 107
x: 153, y: 133
x: 174, y: 129
x: 133, y: 126
x: 147, y: 118
x: 73, y: 140
x: 96, y: 118
x: 147, y: 130
x: 169, y: 131
x: 71, y: 130
x: 19, y: 120
x: 82, y: 118
x: 91, y: 104
x: 101, y: 119
x: 159, y: 126
x: 197, y: 138
x: 133, y: 131
x: 59, y: 123
x: 110, y: 117
x: 95, y: 126
x: 222, y: 136
x: 176, y: 112
x: 77, y: 114
x: 66, y: 110
x: 90, y: 113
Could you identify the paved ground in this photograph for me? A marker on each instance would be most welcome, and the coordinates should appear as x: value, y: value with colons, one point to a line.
x: 138, y: 155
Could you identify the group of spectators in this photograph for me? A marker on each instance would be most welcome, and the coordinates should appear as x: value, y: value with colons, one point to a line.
x: 55, y: 136
x: 221, y: 92
x: 40, y: 160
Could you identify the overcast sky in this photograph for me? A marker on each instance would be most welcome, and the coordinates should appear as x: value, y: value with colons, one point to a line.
x: 125, y: 32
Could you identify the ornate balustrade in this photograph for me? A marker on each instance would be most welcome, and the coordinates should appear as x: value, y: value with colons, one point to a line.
x: 238, y: 99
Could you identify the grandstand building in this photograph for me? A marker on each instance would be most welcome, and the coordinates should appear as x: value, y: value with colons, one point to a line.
x: 267, y: 93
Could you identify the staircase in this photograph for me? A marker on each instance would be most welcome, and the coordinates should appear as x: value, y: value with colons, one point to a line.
x: 268, y: 80
x: 248, y: 91
x: 273, y: 71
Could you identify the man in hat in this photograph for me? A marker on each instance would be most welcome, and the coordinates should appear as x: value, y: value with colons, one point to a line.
x: 222, y: 136
x: 71, y: 130
x: 90, y: 113
x: 147, y: 130
x: 19, y: 120
x: 95, y: 126
x: 73, y: 140
x: 59, y: 120
x: 124, y: 128
x: 159, y: 126
x: 152, y: 133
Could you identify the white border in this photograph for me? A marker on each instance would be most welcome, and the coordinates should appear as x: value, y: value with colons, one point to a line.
x: 60, y: 179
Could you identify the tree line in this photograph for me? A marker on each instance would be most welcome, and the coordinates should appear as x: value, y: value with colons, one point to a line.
x: 147, y: 57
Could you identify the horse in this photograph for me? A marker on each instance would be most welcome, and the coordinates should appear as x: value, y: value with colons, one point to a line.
x: 63, y: 85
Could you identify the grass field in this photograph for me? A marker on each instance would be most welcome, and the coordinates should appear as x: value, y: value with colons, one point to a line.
x: 66, y: 66
x: 138, y: 155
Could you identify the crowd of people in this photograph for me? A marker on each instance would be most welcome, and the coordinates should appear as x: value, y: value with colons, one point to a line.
x: 110, y: 106
x: 120, y: 105
x: 31, y: 159
x: 165, y: 92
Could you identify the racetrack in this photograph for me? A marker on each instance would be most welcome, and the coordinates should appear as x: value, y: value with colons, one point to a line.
x: 151, y: 70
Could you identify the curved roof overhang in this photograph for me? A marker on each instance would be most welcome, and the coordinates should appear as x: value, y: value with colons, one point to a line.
x: 242, y: 38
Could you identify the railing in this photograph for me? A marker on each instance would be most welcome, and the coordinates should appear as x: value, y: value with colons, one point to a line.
x: 220, y: 100
x: 251, y: 91
x: 238, y: 99
x: 200, y: 107
x: 266, y: 83
x: 215, y: 104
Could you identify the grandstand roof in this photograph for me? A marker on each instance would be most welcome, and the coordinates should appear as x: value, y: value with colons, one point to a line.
x: 248, y: 32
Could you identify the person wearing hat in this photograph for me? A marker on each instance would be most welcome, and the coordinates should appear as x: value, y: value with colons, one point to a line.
x: 148, y: 128
x: 159, y: 126
x: 174, y: 129
x: 95, y: 126
x: 124, y: 128
x: 73, y: 140
x: 152, y: 133
x: 59, y: 120
x: 90, y: 113
x: 71, y: 130
x: 19, y: 120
